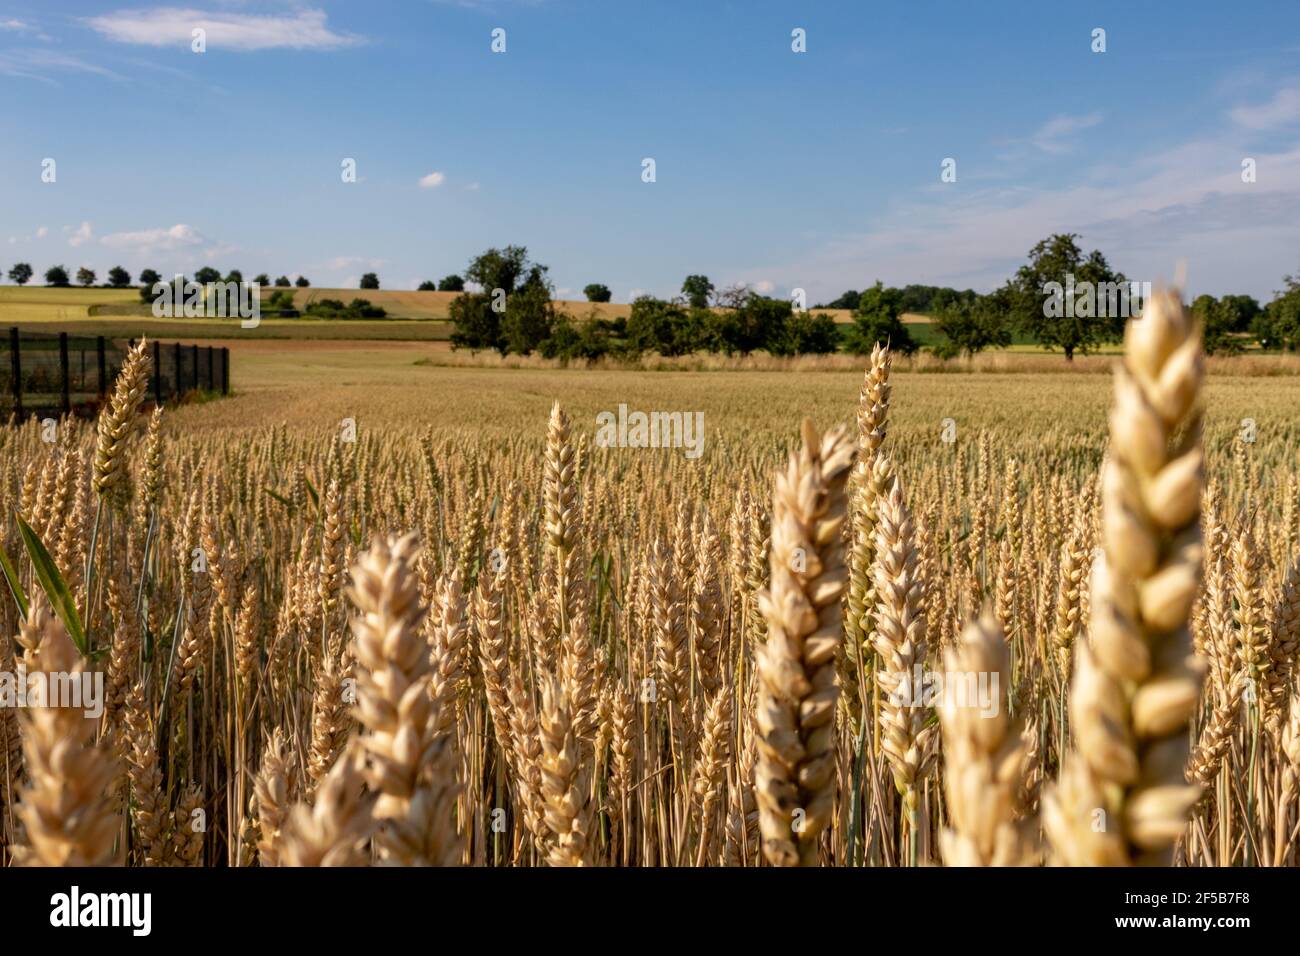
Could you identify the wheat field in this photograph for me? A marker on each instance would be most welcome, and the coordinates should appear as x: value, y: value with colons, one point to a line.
x: 346, y: 618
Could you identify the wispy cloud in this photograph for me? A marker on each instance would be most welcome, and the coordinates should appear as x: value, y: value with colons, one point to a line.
x: 432, y: 180
x: 173, y: 26
x: 1164, y: 205
x: 37, y: 64
x: 81, y: 235
x: 1282, y: 110
x: 163, y: 239
x: 1054, y: 136
x: 339, y: 263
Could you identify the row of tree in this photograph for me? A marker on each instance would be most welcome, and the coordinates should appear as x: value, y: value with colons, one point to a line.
x: 119, y: 278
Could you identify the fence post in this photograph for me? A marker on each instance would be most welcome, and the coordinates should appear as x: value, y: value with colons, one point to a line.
x: 103, y: 365
x: 225, y: 371
x: 157, y: 373
x: 16, y: 370
x: 63, y: 372
x: 176, y: 357
x: 212, y: 382
x: 194, y: 360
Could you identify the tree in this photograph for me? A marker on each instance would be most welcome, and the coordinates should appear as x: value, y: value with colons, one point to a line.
x: 262, y: 279
x: 475, y: 324
x: 813, y: 333
x: 21, y: 273
x: 283, y: 282
x: 302, y: 282
x: 148, y: 277
x: 206, y: 275
x: 370, y: 281
x: 571, y: 340
x: 85, y: 276
x: 529, y: 313
x: 847, y: 300
x: 655, y: 325
x: 56, y: 276
x: 451, y: 283
x: 1278, y: 327
x: 428, y: 285
x: 234, y: 275
x: 974, y: 325
x: 1066, y: 300
x: 118, y: 277
x: 597, y: 292
x: 876, y: 319
x: 697, y: 290
x: 499, y: 269
x: 1240, y: 311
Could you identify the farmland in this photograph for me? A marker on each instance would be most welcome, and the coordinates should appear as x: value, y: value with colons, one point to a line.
x: 597, y: 634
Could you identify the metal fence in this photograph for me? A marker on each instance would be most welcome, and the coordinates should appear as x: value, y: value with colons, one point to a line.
x: 62, y: 374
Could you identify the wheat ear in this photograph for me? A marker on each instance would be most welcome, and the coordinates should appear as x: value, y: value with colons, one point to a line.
x: 1122, y: 796
x: 795, y: 707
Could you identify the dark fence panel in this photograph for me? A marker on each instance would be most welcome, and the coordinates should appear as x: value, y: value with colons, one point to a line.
x: 48, y: 374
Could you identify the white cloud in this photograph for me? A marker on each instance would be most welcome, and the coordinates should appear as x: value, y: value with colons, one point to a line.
x: 432, y: 181
x: 167, y: 239
x: 1161, y: 206
x: 42, y: 232
x: 36, y: 64
x: 81, y: 235
x: 173, y: 26
x: 471, y: 187
x: 351, y: 262
x: 1051, y: 136
x: 15, y: 26
x: 1282, y: 109
x: 764, y: 286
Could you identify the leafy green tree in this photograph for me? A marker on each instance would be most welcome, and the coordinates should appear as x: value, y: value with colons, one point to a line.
x: 451, y: 283
x: 1278, y: 327
x: 876, y: 319
x: 1241, y: 311
x: 972, y: 326
x: 21, y: 273
x: 655, y: 325
x: 428, y: 285
x: 499, y: 269
x: 697, y: 289
x: 149, y: 276
x: 813, y: 333
x: 57, y: 276
x: 234, y: 275
x: 302, y: 282
x: 597, y: 292
x: 206, y: 275
x: 1047, y: 304
x: 847, y: 300
x: 571, y: 340
x: 262, y: 279
x: 529, y: 314
x: 475, y: 324
x: 118, y: 277
x: 85, y: 277
x: 370, y: 281
x: 283, y: 282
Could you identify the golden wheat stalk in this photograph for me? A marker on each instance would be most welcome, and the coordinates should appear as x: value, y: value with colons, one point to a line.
x: 1122, y: 796
x: 795, y: 708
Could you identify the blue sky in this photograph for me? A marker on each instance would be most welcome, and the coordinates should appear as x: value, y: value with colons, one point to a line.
x: 817, y: 170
